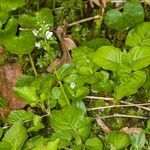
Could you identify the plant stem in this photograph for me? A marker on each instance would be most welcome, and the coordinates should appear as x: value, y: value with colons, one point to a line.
x: 60, y: 83
x: 123, y: 116
x: 57, y: 75
x: 54, y: 3
x: 38, y: 5
x: 111, y: 99
x: 115, y: 106
x: 32, y: 64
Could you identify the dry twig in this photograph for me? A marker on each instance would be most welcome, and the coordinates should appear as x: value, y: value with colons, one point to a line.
x: 123, y: 116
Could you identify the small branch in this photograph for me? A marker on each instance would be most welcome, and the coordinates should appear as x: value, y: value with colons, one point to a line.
x: 115, y: 106
x: 83, y: 20
x: 111, y: 99
x: 123, y: 116
x: 141, y: 107
x: 102, y: 125
x: 99, y: 98
x: 26, y: 29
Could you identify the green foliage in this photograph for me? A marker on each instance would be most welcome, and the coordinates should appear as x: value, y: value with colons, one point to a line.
x: 16, y: 135
x: 38, y: 143
x: 42, y: 18
x: 133, y: 14
x: 119, y: 140
x: 22, y: 44
x: 97, y: 43
x: 6, y: 7
x: 94, y: 144
x: 139, y: 36
x: 5, y: 145
x: 33, y: 90
x: 19, y: 115
x: 71, y: 120
x: 108, y: 57
x: 138, y: 141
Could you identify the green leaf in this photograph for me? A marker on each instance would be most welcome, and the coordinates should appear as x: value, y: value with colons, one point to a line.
x: 64, y: 138
x: 16, y: 135
x: 9, y: 31
x: 3, y: 17
x: 139, y: 36
x: 130, y: 85
x: 64, y: 70
x: 19, y: 115
x: 35, y: 142
x: 72, y: 120
x: 94, y: 144
x: 138, y: 141
x: 22, y: 44
x: 133, y: 13
x: 108, y: 57
x: 5, y: 146
x: 82, y: 56
x: 139, y: 57
x: 11, y: 4
x: 97, y: 43
x: 119, y: 140
x: 24, y: 90
x: 43, y: 17
x: 53, y: 145
x: 27, y: 21
x: 45, y: 14
x: 37, y: 124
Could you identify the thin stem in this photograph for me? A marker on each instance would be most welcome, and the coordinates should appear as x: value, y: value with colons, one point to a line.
x: 54, y: 3
x: 100, y: 98
x: 38, y: 5
x: 60, y: 83
x: 115, y: 106
x: 58, y: 77
x: 123, y: 116
x: 32, y: 64
x: 111, y: 99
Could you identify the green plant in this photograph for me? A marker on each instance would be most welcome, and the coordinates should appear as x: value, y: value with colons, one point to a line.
x: 126, y: 66
x: 133, y: 14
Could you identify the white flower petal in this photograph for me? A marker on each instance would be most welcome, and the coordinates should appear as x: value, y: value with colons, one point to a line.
x: 37, y: 44
x: 34, y: 32
x: 49, y: 34
x: 72, y: 85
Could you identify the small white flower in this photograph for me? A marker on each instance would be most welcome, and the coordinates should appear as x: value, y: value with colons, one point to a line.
x: 40, y: 29
x: 34, y: 32
x: 72, y: 85
x: 37, y: 44
x: 49, y: 34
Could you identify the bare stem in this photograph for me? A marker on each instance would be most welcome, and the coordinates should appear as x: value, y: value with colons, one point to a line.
x: 123, y: 116
x: 111, y: 99
x: 32, y: 64
x: 115, y: 106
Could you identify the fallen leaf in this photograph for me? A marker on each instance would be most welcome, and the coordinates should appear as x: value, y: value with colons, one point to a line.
x: 132, y: 130
x: 69, y: 43
x: 8, y: 75
x: 66, y: 58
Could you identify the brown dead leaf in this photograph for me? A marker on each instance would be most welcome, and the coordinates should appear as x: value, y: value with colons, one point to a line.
x: 66, y: 58
x: 8, y: 75
x: 132, y: 130
x: 69, y: 43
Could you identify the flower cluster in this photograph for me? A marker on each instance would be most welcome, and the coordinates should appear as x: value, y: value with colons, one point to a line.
x: 44, y: 36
